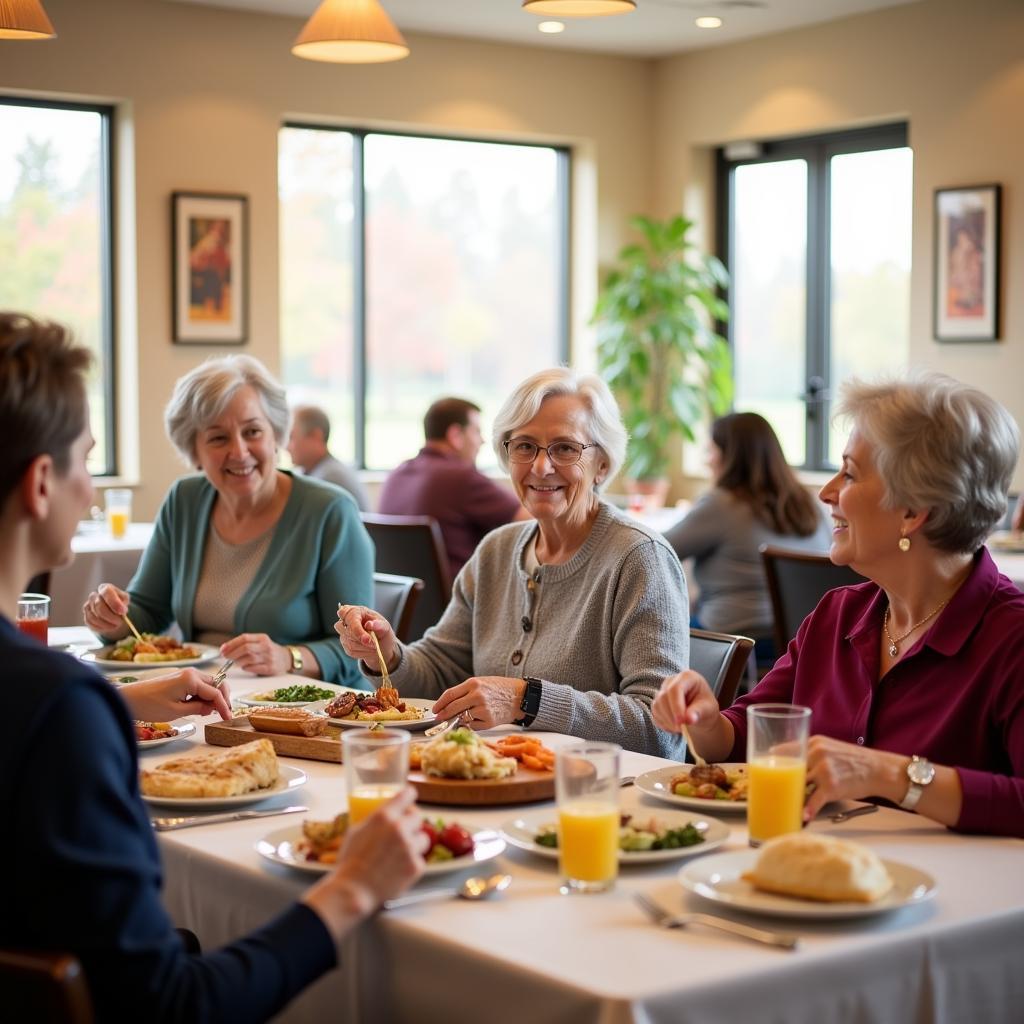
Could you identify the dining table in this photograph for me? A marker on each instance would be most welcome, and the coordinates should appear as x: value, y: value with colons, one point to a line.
x: 532, y: 953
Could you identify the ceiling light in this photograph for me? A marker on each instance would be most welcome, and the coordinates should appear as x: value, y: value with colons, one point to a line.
x: 579, y: 8
x: 24, y: 19
x: 551, y: 27
x: 350, y: 32
x: 709, y: 22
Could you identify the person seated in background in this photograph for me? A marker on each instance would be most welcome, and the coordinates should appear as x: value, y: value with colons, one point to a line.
x: 442, y: 481
x: 85, y: 865
x: 307, y: 445
x: 925, y: 662
x: 244, y: 555
x: 755, y: 499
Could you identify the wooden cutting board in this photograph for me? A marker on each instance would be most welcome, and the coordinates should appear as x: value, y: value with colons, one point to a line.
x: 525, y: 787
x: 239, y: 730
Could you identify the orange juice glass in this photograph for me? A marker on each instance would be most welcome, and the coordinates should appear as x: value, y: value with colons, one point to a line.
x: 364, y: 800
x: 376, y: 766
x: 777, y: 769
x: 119, y: 511
x: 587, y: 789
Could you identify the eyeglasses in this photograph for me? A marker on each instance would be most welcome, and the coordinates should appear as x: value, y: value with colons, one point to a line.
x: 562, y: 453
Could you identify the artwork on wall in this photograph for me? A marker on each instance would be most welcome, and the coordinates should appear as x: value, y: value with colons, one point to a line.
x: 210, y: 268
x: 967, y: 263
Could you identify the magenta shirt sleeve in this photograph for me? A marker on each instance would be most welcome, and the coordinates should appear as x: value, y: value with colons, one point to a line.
x: 488, y: 504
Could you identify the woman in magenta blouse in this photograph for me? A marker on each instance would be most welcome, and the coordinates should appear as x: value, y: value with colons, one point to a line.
x: 915, y: 678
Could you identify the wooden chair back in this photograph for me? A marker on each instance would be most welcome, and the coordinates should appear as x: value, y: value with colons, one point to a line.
x: 44, y: 986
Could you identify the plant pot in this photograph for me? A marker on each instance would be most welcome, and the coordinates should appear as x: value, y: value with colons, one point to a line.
x: 646, y: 495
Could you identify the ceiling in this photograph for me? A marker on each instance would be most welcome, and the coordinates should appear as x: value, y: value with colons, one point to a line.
x: 655, y: 29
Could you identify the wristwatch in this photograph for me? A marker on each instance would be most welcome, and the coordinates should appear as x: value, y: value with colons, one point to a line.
x: 530, y: 704
x: 296, y: 656
x: 920, y: 772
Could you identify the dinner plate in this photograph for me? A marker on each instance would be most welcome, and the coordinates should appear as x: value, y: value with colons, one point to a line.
x: 281, y: 846
x: 1007, y: 540
x: 185, y: 729
x: 288, y: 778
x: 138, y: 675
x: 420, y: 723
x: 101, y: 660
x: 248, y: 702
x: 656, y: 784
x: 520, y: 832
x: 718, y: 878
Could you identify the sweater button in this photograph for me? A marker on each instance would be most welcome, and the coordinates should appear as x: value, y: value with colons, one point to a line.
x: 527, y: 624
x: 517, y: 656
x: 860, y: 741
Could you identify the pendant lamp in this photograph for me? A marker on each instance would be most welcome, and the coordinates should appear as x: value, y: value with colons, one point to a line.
x: 579, y: 8
x: 24, y: 19
x: 350, y: 32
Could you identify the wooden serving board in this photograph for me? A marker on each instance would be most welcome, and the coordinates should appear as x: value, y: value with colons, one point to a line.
x: 525, y: 787
x: 239, y: 730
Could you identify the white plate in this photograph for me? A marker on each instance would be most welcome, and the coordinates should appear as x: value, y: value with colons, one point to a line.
x: 282, y: 848
x: 718, y: 879
x: 100, y: 660
x: 138, y: 675
x: 425, y: 722
x: 288, y: 778
x: 185, y: 729
x: 248, y: 702
x: 656, y: 784
x: 520, y: 831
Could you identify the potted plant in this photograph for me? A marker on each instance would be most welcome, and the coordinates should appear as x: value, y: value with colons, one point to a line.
x: 657, y: 346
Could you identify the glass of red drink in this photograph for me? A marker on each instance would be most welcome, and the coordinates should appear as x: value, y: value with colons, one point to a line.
x: 34, y: 615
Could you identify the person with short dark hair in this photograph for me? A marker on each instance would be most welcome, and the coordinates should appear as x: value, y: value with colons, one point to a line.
x: 442, y: 481
x: 307, y: 445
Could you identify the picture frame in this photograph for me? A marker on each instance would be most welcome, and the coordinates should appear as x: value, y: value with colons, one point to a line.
x: 967, y: 263
x: 209, y: 268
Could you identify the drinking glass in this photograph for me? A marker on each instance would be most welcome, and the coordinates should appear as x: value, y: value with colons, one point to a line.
x: 376, y: 764
x: 777, y: 769
x: 119, y: 511
x: 587, y: 789
x: 34, y: 615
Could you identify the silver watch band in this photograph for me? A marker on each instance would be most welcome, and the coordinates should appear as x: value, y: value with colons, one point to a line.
x: 913, y: 794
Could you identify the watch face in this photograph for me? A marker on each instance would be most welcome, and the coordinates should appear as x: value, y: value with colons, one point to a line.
x: 921, y: 771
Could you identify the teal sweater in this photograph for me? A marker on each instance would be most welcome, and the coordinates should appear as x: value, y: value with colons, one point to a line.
x: 320, y: 555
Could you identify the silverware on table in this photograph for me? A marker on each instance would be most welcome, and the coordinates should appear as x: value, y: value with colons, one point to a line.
x: 475, y: 888
x: 855, y: 812
x: 218, y: 679
x: 168, y: 824
x: 627, y: 780
x: 662, y: 917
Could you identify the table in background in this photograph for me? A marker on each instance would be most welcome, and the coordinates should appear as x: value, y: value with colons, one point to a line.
x: 533, y: 954
x: 1010, y: 563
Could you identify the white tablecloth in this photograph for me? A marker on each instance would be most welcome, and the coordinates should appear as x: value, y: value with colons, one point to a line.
x: 534, y: 955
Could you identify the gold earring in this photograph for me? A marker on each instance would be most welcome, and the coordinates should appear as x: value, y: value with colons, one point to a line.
x: 904, y: 544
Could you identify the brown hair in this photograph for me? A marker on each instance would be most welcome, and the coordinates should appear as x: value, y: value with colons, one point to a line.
x: 756, y: 471
x: 311, y: 417
x: 445, y: 413
x: 43, y: 407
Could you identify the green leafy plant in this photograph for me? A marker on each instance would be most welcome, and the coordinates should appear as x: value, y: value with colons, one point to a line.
x: 657, y: 347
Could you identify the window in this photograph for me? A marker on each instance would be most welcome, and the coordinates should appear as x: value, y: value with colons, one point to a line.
x: 55, y: 236
x: 405, y: 261
x: 817, y: 239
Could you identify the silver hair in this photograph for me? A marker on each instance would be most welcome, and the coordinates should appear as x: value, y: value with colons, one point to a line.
x: 203, y: 394
x: 604, y: 420
x: 938, y: 445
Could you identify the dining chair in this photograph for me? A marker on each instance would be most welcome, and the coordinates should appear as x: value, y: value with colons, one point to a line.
x: 413, y: 546
x: 722, y: 659
x: 46, y: 986
x: 797, y: 581
x: 395, y: 598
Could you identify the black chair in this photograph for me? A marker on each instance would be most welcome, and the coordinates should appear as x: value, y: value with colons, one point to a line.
x: 722, y: 659
x: 797, y: 581
x: 395, y: 597
x: 45, y: 986
x: 413, y: 546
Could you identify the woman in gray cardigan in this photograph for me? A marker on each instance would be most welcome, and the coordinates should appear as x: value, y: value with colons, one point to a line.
x: 567, y: 623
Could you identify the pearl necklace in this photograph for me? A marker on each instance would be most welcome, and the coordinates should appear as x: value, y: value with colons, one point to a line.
x: 894, y: 644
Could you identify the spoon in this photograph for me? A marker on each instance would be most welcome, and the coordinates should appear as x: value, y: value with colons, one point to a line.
x: 475, y: 888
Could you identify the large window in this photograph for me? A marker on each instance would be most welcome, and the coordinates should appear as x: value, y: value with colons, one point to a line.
x: 55, y: 236
x: 413, y: 268
x: 817, y: 239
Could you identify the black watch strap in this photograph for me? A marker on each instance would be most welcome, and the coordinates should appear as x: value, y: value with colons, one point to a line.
x: 530, y: 704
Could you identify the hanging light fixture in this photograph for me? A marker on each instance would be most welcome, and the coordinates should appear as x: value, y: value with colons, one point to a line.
x: 24, y: 19
x: 579, y: 8
x: 350, y: 32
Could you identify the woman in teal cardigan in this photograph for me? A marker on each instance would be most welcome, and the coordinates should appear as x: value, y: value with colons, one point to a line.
x: 245, y: 555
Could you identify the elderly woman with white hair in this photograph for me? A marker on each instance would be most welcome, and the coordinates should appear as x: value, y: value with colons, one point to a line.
x: 245, y: 555
x: 916, y: 678
x: 567, y: 623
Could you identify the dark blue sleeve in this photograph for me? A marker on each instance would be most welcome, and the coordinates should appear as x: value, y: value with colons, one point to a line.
x: 92, y: 883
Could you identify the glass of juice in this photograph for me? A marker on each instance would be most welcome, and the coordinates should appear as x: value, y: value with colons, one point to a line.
x: 376, y: 764
x: 587, y: 790
x: 119, y: 511
x: 34, y: 615
x: 777, y: 769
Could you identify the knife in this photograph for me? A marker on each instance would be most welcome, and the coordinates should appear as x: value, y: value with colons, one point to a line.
x: 168, y: 824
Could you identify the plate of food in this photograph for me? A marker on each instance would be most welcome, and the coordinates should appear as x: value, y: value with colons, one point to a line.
x: 698, y: 787
x: 225, y: 778
x: 297, y: 696
x: 644, y: 838
x: 354, y: 709
x: 807, y: 875
x: 138, y: 675
x: 156, y: 734
x: 314, y: 845
x: 163, y: 650
x: 1006, y: 540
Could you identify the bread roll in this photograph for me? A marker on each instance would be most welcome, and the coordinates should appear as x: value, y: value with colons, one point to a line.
x: 288, y: 721
x: 818, y: 867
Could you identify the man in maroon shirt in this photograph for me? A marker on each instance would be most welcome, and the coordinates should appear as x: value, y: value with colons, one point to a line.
x: 442, y: 481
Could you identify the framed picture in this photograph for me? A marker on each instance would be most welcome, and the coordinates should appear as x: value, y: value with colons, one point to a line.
x: 210, y: 268
x: 967, y: 263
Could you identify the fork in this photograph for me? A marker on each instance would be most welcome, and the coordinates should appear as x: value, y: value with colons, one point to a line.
x: 218, y: 679
x: 385, y: 693
x: 448, y: 723
x: 662, y: 917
